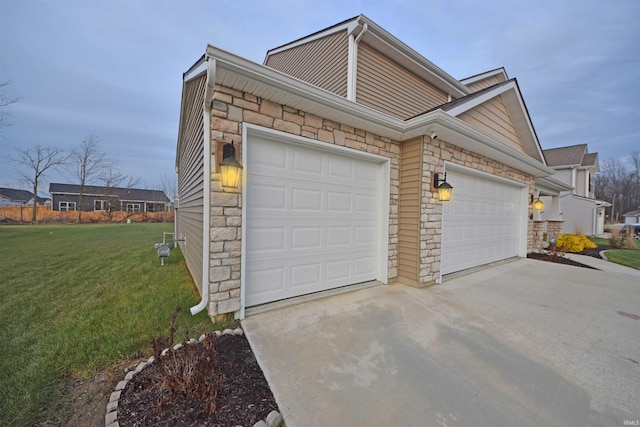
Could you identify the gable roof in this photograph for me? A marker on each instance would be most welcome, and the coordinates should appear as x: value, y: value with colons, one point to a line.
x: 573, y: 155
x: 18, y: 196
x: 510, y: 91
x: 131, y: 194
x: 633, y: 213
x: 500, y: 73
x: 389, y: 45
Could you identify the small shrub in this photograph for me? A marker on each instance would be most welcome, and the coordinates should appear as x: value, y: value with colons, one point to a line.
x: 191, y: 371
x: 614, y: 240
x: 622, y: 240
x: 628, y: 242
x: 574, y: 243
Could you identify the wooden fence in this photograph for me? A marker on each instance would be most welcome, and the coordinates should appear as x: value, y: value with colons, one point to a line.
x: 44, y: 214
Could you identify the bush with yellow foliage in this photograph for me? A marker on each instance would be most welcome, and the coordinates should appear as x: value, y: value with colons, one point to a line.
x: 574, y: 243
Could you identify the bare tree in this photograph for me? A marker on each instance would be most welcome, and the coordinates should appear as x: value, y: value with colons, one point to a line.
x: 89, y: 162
x: 110, y: 179
x: 37, y: 161
x: 634, y: 159
x: 620, y: 185
x: 169, y: 184
x: 5, y: 101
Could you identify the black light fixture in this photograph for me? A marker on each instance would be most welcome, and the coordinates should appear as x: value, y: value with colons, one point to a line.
x: 229, y: 167
x: 444, y: 189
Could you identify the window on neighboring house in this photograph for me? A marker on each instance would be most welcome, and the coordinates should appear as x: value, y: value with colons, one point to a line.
x: 99, y: 205
x: 67, y: 206
x: 154, y: 207
x: 133, y: 207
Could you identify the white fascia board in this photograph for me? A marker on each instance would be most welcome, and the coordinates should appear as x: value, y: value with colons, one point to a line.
x: 552, y: 185
x: 244, y: 75
x: 349, y: 27
x: 517, y: 111
x: 459, y: 133
x: 197, y: 71
x: 481, y: 99
x: 486, y: 75
x: 259, y: 80
x: 412, y: 57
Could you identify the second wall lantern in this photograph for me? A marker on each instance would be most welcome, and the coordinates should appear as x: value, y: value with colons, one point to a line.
x: 443, y: 187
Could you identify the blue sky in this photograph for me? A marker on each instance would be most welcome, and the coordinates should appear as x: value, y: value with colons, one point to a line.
x: 113, y: 69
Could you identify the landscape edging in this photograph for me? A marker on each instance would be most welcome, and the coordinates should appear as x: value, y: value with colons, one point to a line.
x: 274, y: 419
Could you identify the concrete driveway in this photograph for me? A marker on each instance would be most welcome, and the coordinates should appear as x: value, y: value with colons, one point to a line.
x: 525, y: 343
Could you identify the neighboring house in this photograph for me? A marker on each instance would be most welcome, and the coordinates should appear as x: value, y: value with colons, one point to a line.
x: 339, y: 135
x: 581, y: 211
x: 12, y: 197
x: 632, y: 217
x: 65, y: 197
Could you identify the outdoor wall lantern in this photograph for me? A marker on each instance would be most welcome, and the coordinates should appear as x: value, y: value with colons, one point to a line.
x: 230, y: 168
x: 538, y: 205
x: 444, y: 189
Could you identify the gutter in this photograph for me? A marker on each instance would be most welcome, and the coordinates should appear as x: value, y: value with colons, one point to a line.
x: 206, y: 209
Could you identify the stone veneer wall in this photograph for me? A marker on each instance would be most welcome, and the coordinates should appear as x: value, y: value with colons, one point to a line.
x: 435, y: 153
x: 230, y: 109
x: 554, y: 228
x: 538, y: 233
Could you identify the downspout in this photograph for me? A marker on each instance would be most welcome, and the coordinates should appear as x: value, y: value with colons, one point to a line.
x: 352, y: 63
x: 206, y: 209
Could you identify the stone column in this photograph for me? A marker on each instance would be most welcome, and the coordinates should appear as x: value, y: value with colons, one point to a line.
x: 554, y: 228
x: 538, y: 231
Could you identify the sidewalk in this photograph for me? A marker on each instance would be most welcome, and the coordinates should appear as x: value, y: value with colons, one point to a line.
x: 603, y: 265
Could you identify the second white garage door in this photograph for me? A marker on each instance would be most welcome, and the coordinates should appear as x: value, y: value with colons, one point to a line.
x: 484, y: 221
x: 313, y: 219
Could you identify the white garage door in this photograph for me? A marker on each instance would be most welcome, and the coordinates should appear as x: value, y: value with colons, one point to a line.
x: 312, y: 219
x: 482, y: 223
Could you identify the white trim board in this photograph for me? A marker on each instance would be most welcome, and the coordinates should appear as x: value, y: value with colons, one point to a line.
x: 382, y: 237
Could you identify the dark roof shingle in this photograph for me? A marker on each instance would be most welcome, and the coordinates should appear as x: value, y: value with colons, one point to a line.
x: 122, y: 193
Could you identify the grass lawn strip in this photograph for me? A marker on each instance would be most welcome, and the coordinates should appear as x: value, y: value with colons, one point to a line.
x: 630, y: 258
x: 626, y: 257
x: 74, y: 300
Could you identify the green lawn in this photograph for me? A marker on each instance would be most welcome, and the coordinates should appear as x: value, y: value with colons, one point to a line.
x: 74, y: 300
x: 630, y: 258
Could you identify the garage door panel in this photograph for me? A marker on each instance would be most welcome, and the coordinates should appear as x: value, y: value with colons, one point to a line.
x: 305, y: 199
x: 339, y: 202
x: 482, y: 224
x: 276, y: 280
x: 310, y: 219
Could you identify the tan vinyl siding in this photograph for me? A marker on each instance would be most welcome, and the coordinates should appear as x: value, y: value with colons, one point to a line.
x: 190, y: 212
x: 485, y: 83
x: 321, y: 62
x: 493, y: 118
x: 386, y: 86
x: 409, y: 211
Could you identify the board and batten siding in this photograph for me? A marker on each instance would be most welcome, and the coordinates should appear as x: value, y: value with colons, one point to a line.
x: 321, y: 62
x: 483, y: 84
x: 386, y: 86
x: 409, y: 211
x: 190, y: 208
x: 493, y: 118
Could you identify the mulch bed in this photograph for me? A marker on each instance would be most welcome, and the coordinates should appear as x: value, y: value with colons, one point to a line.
x: 557, y: 259
x: 243, y: 399
x: 596, y: 252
